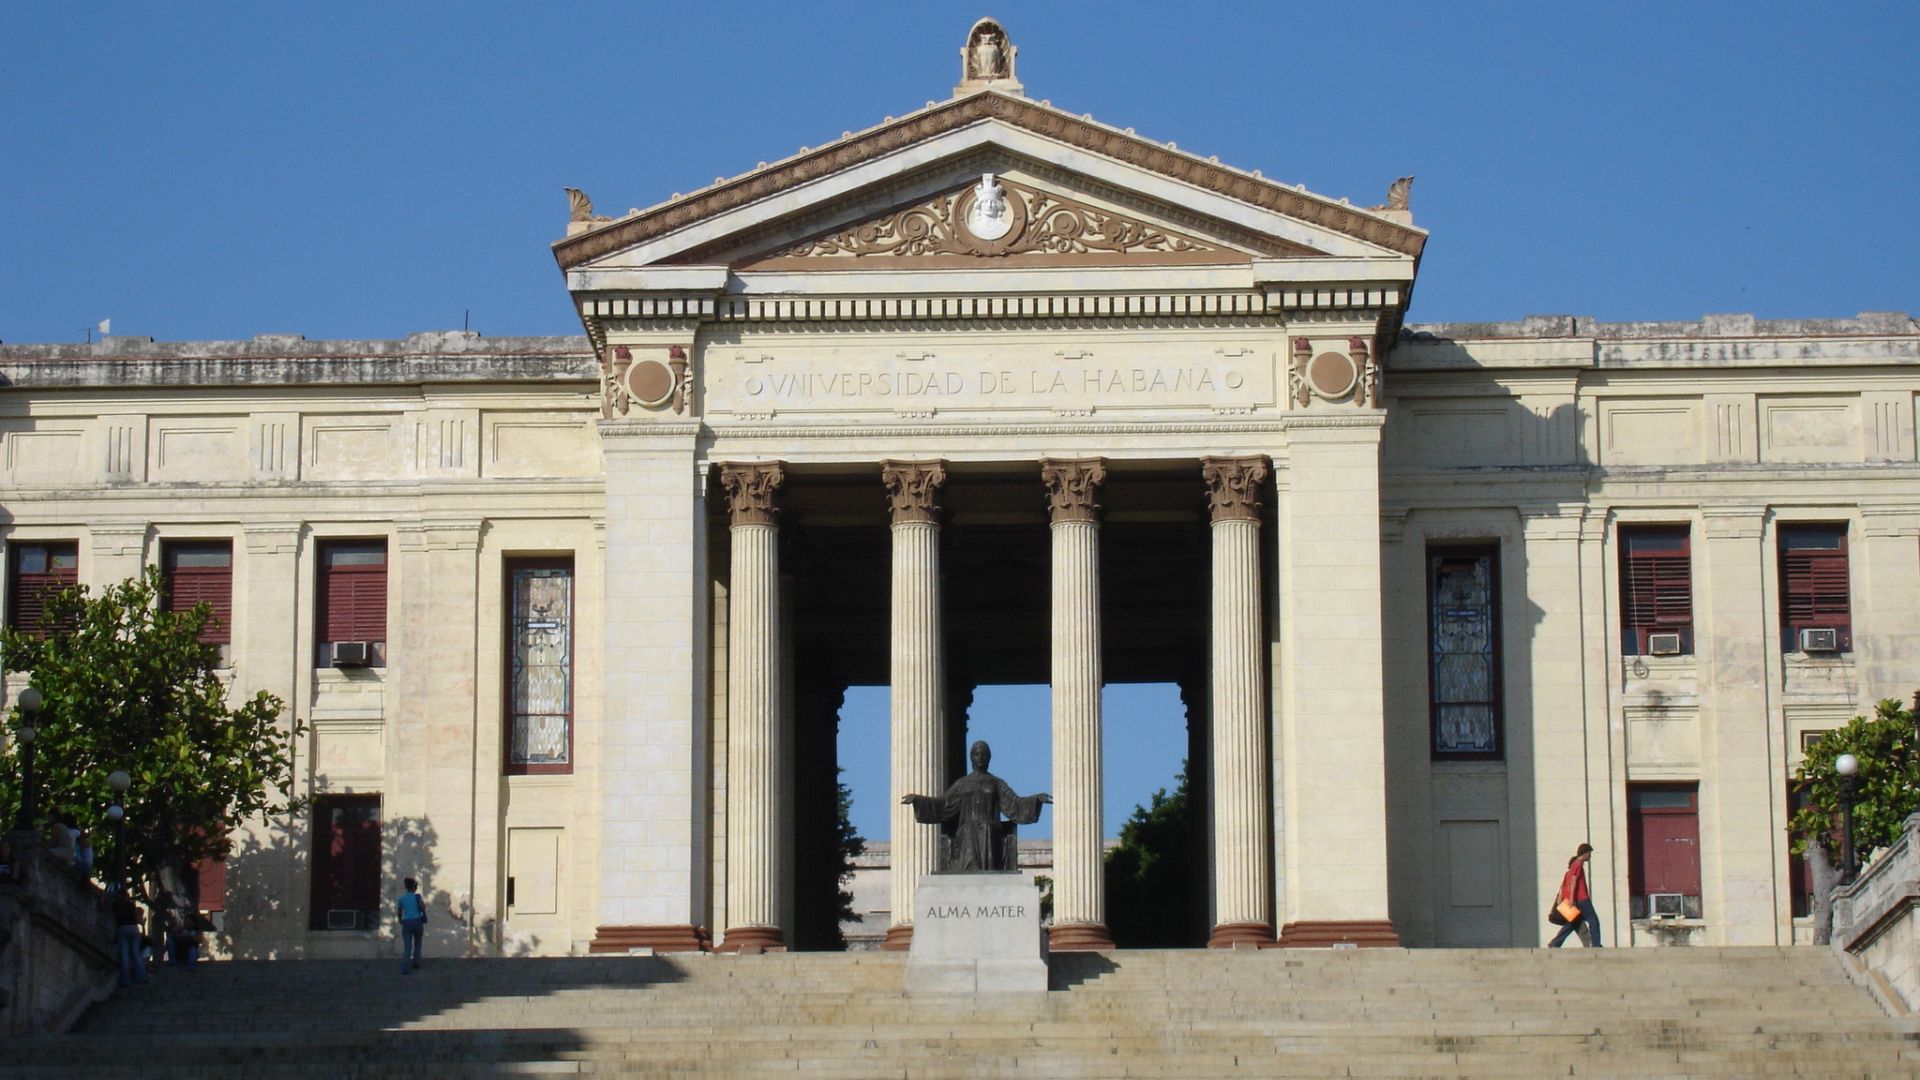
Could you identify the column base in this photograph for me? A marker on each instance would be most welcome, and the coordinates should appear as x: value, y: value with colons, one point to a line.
x: 1366, y: 934
x: 899, y: 938
x: 1079, y: 937
x: 750, y: 940
x: 1241, y: 935
x: 682, y: 937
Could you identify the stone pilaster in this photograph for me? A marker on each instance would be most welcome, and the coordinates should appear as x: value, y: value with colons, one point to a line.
x: 1079, y: 892
x: 444, y: 762
x: 754, y: 697
x: 918, y: 676
x: 1331, y: 721
x: 654, y: 859
x: 1739, y: 776
x: 1243, y: 882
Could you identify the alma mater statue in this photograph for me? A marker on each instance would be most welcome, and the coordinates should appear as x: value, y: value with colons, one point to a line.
x: 973, y: 836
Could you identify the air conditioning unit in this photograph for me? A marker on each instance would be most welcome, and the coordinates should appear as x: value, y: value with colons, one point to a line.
x: 1821, y: 639
x: 351, y: 653
x: 1663, y: 644
x: 1666, y: 905
x: 343, y: 918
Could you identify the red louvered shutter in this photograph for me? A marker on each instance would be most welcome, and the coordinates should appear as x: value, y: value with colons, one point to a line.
x: 40, y: 572
x: 202, y: 572
x: 1656, y: 581
x: 1815, y: 589
x: 353, y: 592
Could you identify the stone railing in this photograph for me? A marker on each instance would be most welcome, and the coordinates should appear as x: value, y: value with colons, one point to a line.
x: 1877, y: 918
x: 56, y: 943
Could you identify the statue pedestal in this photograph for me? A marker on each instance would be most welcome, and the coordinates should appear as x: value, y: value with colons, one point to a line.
x: 976, y: 933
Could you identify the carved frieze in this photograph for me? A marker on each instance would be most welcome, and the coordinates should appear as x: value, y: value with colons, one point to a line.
x: 653, y: 382
x: 1334, y: 374
x: 1233, y: 487
x: 996, y: 217
x: 752, y: 489
x: 1073, y: 488
x: 912, y: 487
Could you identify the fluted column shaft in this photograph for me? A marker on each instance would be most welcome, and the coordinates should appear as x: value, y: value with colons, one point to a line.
x: 1079, y: 883
x: 754, y: 697
x: 918, y: 704
x: 1243, y: 886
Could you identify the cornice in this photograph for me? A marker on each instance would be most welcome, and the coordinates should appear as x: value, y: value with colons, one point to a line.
x: 1043, y: 120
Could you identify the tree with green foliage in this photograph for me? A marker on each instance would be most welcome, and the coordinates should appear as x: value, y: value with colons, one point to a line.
x: 848, y: 845
x: 129, y: 685
x: 1887, y: 790
x: 1150, y: 875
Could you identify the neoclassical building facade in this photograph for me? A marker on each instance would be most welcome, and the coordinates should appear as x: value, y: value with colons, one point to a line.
x: 992, y: 393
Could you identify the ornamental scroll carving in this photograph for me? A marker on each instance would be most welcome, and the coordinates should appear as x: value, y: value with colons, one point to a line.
x: 1233, y: 487
x: 1073, y: 488
x: 1038, y: 224
x: 752, y: 488
x: 911, y: 488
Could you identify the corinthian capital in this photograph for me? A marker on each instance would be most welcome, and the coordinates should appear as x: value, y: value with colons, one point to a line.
x: 911, y: 488
x: 1073, y: 488
x: 751, y: 489
x: 1233, y: 487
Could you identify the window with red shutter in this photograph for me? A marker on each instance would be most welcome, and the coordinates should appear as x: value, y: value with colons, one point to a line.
x: 1815, y: 589
x: 352, y: 597
x: 201, y: 572
x: 1656, y: 586
x: 36, y: 571
x: 346, y: 863
x: 1663, y: 846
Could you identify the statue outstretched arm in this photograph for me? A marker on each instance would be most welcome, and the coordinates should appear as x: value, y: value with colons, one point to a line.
x: 927, y: 809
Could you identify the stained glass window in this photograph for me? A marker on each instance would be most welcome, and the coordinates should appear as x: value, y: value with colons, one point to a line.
x: 1463, y: 625
x: 540, y: 668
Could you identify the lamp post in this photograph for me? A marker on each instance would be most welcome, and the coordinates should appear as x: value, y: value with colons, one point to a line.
x: 29, y: 703
x: 119, y: 781
x: 1848, y: 767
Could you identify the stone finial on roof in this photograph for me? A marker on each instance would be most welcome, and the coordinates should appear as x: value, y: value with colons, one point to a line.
x: 1398, y: 194
x: 987, y: 61
x: 580, y: 215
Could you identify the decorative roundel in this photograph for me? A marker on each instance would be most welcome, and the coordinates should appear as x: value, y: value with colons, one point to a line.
x: 1332, y: 375
x: 650, y: 382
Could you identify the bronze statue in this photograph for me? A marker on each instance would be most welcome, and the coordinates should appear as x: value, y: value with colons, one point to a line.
x: 973, y: 836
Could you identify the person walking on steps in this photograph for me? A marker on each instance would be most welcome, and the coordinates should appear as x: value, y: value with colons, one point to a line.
x: 413, y: 925
x: 126, y: 940
x: 1573, y: 890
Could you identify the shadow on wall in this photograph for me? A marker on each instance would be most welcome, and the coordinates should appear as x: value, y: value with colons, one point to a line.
x: 272, y: 895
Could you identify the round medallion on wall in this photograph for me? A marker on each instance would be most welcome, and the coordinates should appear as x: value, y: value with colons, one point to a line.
x: 650, y: 382
x: 991, y: 218
x: 1332, y: 375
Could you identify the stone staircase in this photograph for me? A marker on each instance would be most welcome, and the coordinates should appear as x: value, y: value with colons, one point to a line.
x: 1429, y: 1013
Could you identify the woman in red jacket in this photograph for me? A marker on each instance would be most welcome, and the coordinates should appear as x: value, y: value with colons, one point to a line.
x: 1573, y: 889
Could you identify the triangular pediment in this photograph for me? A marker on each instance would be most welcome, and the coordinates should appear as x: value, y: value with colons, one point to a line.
x: 1079, y: 193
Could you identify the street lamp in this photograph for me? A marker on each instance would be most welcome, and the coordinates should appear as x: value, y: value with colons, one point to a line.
x: 1848, y: 767
x: 29, y: 703
x: 119, y: 781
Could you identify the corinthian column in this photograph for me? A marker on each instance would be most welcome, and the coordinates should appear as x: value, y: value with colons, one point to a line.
x: 753, y: 710
x: 1242, y: 878
x: 919, y: 677
x: 1079, y: 886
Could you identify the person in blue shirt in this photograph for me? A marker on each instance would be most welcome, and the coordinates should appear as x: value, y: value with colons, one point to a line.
x: 413, y: 924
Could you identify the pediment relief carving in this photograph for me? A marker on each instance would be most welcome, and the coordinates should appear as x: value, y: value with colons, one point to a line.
x: 997, y: 220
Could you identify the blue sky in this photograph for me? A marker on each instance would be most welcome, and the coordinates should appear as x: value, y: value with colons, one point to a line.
x: 369, y: 170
